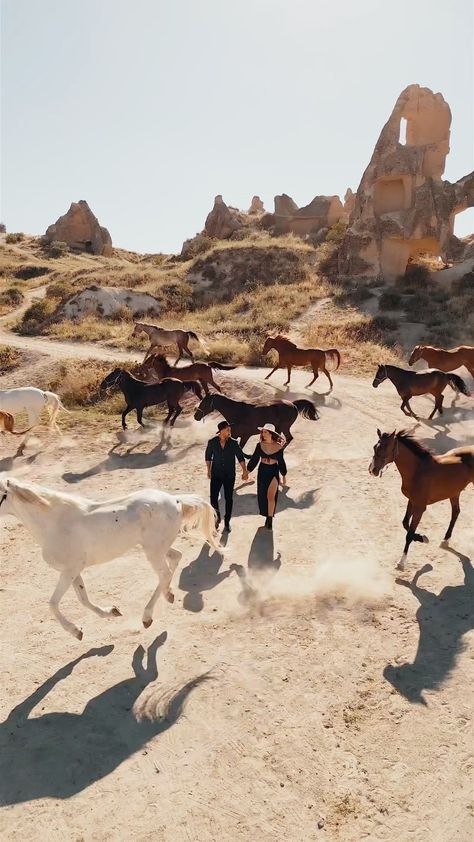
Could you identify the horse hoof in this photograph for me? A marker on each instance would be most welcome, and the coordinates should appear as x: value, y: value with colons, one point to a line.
x: 78, y: 633
x: 170, y: 596
x: 147, y: 623
x: 425, y: 539
x: 444, y: 542
x: 401, y: 563
x: 115, y: 612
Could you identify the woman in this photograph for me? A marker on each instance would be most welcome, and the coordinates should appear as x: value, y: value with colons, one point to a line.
x: 269, y: 452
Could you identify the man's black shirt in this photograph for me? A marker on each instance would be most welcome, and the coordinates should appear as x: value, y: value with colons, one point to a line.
x: 223, y: 458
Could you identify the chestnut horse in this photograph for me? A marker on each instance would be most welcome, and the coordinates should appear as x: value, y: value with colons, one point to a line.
x: 426, y: 478
x: 411, y: 383
x: 161, y: 337
x: 289, y: 355
x: 7, y: 423
x: 444, y: 360
x: 202, y: 372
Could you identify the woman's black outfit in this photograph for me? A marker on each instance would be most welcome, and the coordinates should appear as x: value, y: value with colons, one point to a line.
x: 266, y: 472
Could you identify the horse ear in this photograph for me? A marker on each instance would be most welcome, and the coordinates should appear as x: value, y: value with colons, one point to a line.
x: 379, y: 433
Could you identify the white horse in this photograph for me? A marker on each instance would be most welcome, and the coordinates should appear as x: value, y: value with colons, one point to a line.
x: 33, y: 401
x: 75, y: 533
x: 161, y: 337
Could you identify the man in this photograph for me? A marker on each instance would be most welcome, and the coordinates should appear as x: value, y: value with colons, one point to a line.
x: 221, y: 453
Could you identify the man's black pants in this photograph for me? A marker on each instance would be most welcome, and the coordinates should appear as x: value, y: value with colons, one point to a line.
x: 216, y: 484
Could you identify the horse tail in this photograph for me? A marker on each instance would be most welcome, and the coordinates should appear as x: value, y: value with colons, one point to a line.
x: 54, y: 405
x: 330, y: 355
x: 193, y: 335
x: 199, y: 514
x: 8, y: 423
x: 193, y: 386
x: 468, y: 460
x: 306, y: 409
x: 458, y: 384
x: 221, y: 366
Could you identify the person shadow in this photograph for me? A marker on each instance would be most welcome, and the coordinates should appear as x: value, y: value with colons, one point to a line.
x: 245, y: 504
x: 202, y: 574
x: 58, y: 755
x: 443, y: 620
x: 262, y: 558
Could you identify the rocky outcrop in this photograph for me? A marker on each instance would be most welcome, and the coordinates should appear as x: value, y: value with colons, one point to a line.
x: 80, y: 229
x: 108, y: 301
x: 322, y: 212
x: 222, y: 221
x: 403, y: 207
x: 256, y: 206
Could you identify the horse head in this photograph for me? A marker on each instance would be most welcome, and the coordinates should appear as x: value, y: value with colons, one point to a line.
x: 416, y: 354
x: 385, y: 451
x: 112, y: 379
x: 137, y: 329
x: 269, y: 344
x: 204, y: 408
x: 380, y: 376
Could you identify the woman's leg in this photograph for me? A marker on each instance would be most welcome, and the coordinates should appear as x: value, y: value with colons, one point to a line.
x: 272, y: 492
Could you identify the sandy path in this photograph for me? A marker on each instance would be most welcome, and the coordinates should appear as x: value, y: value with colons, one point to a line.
x: 296, y: 725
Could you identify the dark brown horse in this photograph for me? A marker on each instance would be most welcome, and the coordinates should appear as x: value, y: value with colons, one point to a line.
x: 246, y: 418
x: 444, y: 360
x: 158, y: 365
x: 411, y: 383
x: 289, y: 355
x: 139, y: 395
x: 426, y: 478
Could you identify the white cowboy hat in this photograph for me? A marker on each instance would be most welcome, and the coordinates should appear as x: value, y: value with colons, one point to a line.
x: 270, y: 427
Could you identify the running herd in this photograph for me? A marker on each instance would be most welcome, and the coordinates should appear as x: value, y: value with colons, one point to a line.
x: 139, y: 518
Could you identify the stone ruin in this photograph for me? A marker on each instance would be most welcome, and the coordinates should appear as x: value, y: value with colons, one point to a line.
x: 80, y: 229
x: 403, y: 208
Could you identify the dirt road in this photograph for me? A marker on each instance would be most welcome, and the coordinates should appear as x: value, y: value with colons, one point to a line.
x: 303, y: 694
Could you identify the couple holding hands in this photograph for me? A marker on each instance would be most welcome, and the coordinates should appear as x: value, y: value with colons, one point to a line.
x: 223, y: 451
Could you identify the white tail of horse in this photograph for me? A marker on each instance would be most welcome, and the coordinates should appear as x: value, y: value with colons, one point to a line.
x: 54, y: 405
x: 199, y: 514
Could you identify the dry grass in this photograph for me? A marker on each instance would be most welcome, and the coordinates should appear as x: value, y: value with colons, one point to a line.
x: 10, y: 358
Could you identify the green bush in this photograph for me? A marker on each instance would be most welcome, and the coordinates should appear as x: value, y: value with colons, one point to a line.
x: 58, y: 248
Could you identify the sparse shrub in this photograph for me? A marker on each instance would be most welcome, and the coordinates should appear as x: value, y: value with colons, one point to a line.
x: 11, y: 298
x: 417, y: 276
x: 390, y: 300
x: 58, y: 248
x: 25, y: 273
x: 62, y: 290
x: 122, y: 314
x: 10, y: 358
x: 337, y: 232
x: 15, y: 237
x: 36, y: 315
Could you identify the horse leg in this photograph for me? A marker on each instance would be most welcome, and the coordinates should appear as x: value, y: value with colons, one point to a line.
x: 326, y: 372
x: 406, y: 519
x: 173, y: 558
x: 140, y: 416
x: 124, y: 414
x: 80, y: 588
x: 286, y: 432
x: 66, y: 579
x: 177, y: 412
x: 455, y: 509
x: 437, y: 407
x: 180, y: 354
x: 205, y: 387
x: 272, y: 371
x: 412, y: 535
x: 289, y: 367
x: 170, y: 412
x: 213, y: 383
x: 407, y: 403
x: 316, y: 375
x: 160, y: 566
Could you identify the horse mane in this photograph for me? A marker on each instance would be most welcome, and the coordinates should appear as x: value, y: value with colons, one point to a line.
x: 414, y: 445
x: 161, y: 359
x: 38, y: 495
x: 284, y: 338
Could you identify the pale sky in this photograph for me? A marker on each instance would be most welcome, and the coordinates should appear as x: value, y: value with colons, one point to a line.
x: 148, y: 109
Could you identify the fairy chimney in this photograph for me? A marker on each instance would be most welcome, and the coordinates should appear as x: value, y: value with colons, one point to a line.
x: 80, y: 229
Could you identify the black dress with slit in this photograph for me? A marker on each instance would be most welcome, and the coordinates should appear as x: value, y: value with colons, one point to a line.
x: 266, y: 473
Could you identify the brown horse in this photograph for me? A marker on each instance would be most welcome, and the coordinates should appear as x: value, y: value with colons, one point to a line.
x: 7, y: 424
x: 426, y: 478
x: 202, y: 372
x: 411, y: 383
x: 289, y: 355
x: 444, y: 360
x: 161, y: 337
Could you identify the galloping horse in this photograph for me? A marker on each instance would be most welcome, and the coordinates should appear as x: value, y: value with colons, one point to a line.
x: 411, y: 383
x: 246, y: 418
x: 33, y: 401
x: 75, y: 532
x: 202, y: 372
x: 289, y: 355
x: 160, y: 337
x: 444, y: 360
x: 426, y: 478
x: 139, y: 395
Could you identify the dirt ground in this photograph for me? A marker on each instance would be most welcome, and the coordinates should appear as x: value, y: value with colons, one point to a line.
x: 305, y: 693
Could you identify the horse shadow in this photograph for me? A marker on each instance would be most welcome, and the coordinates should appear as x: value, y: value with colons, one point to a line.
x: 443, y: 620
x: 202, y: 574
x: 246, y: 504
x: 163, y: 453
x: 319, y: 398
x: 58, y: 755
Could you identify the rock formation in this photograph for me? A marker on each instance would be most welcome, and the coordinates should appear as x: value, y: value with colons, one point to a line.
x: 3, y: 228
x: 256, y: 206
x: 107, y: 301
x: 222, y: 221
x: 403, y: 207
x: 80, y: 229
x: 322, y: 212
